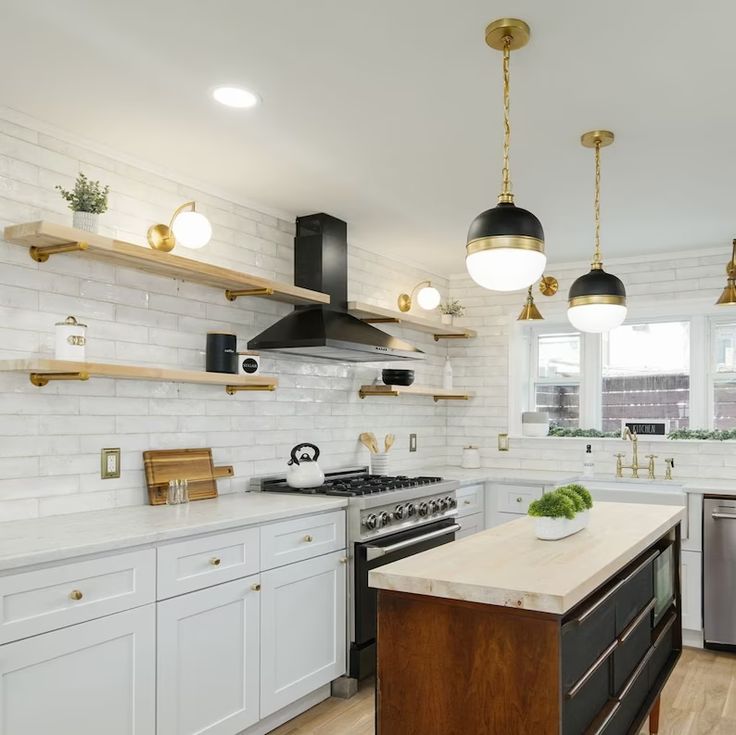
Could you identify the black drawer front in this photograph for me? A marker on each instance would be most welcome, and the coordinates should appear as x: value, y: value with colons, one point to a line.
x: 630, y: 704
x: 584, y: 642
x: 635, y: 593
x: 664, y: 647
x: 579, y: 711
x: 634, y: 643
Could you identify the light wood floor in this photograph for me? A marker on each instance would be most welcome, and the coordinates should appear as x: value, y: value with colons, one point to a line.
x: 699, y: 699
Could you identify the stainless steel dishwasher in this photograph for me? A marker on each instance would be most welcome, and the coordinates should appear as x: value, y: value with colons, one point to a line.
x: 719, y: 573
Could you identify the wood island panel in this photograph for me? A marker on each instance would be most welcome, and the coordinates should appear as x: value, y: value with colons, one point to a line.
x: 461, y: 689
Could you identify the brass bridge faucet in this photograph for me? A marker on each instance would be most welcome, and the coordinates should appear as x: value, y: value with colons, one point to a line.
x: 634, y: 466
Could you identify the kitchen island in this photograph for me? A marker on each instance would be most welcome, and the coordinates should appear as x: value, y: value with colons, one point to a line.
x: 501, y: 633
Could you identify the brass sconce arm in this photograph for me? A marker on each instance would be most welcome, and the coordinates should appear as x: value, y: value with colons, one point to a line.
x: 406, y: 300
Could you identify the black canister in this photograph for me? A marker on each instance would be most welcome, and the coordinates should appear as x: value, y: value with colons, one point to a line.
x: 222, y: 354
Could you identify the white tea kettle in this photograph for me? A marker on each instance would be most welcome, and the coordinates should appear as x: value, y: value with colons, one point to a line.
x: 303, y: 470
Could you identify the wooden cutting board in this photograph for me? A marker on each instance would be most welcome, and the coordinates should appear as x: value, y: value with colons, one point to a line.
x: 194, y: 465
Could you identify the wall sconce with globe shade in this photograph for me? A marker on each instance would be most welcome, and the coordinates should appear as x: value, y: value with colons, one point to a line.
x: 187, y: 228
x: 427, y: 297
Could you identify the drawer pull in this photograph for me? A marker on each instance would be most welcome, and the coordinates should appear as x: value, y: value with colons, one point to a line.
x: 630, y: 683
x: 583, y: 680
x: 76, y: 595
x: 606, y: 720
x: 309, y: 538
x: 672, y: 616
x: 616, y: 587
x: 256, y: 587
x: 631, y: 627
x: 215, y: 561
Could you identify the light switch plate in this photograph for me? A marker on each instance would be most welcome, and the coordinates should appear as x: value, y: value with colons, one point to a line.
x: 110, y: 463
x: 412, y: 442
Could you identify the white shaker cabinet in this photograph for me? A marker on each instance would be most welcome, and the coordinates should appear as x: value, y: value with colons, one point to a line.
x: 691, y: 580
x: 208, y: 660
x: 87, y: 679
x: 303, y: 633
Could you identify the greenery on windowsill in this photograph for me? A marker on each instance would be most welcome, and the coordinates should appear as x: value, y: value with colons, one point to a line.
x: 681, y: 434
x: 703, y: 434
x: 590, y: 433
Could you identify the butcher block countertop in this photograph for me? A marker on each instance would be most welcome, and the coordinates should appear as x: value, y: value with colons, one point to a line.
x: 509, y: 566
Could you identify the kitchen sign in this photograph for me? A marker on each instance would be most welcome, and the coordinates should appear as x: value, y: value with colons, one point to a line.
x: 647, y: 428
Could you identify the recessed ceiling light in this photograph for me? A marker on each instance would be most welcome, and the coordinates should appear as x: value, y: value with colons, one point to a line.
x: 235, y: 97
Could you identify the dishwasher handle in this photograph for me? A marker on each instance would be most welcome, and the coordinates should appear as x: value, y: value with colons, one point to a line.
x: 723, y: 516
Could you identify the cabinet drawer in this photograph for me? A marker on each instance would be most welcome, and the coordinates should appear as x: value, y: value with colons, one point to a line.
x: 581, y: 706
x: 516, y: 498
x: 470, y: 525
x: 55, y: 597
x: 470, y: 500
x: 634, y: 590
x: 302, y: 538
x: 633, y: 646
x: 202, y: 562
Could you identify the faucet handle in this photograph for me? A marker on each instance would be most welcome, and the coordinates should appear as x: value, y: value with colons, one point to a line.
x: 651, y: 456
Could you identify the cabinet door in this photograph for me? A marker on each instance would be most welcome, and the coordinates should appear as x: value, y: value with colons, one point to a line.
x: 208, y: 660
x: 92, y: 678
x: 691, y: 590
x: 470, y: 525
x: 303, y: 629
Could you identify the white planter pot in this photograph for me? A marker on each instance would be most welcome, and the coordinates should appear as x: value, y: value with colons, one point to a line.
x: 86, y: 221
x: 552, y: 529
x: 447, y: 319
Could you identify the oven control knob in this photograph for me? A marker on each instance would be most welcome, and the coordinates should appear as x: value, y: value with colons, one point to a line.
x: 451, y: 502
x: 410, y: 509
x: 370, y: 521
x: 384, y: 519
x: 434, y: 506
x: 423, y: 509
x: 399, y: 512
x: 444, y: 505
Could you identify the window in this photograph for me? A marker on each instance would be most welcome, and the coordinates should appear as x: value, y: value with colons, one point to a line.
x: 724, y: 376
x: 646, y: 374
x: 557, y: 384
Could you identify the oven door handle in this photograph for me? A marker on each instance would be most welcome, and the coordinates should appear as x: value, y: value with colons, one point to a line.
x: 374, y: 552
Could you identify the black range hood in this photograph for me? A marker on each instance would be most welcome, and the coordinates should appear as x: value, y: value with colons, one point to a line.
x: 328, y: 332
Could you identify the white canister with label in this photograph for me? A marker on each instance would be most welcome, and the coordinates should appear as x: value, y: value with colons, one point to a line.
x: 71, y: 340
x: 471, y: 458
x: 249, y: 363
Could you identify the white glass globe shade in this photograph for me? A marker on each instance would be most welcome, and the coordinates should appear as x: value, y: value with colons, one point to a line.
x: 192, y: 230
x: 596, y: 318
x: 428, y: 298
x: 505, y: 269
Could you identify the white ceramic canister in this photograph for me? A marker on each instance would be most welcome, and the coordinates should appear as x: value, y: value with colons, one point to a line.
x: 471, y: 458
x: 249, y: 363
x: 71, y: 340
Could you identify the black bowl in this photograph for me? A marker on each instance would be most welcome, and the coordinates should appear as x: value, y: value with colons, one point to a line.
x: 397, y: 377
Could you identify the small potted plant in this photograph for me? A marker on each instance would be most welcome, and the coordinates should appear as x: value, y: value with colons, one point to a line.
x: 561, y: 513
x: 450, y: 309
x: 88, y: 200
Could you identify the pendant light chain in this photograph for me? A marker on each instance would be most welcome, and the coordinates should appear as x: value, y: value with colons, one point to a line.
x: 597, y: 205
x: 506, y: 194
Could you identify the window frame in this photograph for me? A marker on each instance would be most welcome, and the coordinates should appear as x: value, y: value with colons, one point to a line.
x: 712, y: 375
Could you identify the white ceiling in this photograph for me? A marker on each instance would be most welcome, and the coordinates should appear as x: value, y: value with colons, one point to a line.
x: 387, y: 113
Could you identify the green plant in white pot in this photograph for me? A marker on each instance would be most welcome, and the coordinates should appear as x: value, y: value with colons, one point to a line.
x: 88, y: 200
x: 561, y: 513
x: 450, y: 309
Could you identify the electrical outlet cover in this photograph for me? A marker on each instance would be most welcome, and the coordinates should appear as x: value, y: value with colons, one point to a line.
x: 110, y: 463
x: 412, y: 442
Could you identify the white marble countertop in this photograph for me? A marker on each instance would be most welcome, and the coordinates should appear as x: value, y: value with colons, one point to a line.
x: 42, y: 540
x: 507, y: 565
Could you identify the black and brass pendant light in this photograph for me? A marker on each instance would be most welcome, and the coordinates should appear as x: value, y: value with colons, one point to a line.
x: 505, y: 248
x: 597, y: 300
x: 728, y: 297
x: 548, y: 286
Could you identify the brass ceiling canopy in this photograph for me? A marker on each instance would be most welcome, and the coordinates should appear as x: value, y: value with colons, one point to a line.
x: 513, y: 28
x: 728, y: 297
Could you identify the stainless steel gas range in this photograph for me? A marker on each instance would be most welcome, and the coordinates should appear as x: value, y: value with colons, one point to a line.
x: 388, y: 518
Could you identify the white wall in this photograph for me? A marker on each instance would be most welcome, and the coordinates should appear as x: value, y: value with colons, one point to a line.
x: 50, y: 438
x: 680, y: 284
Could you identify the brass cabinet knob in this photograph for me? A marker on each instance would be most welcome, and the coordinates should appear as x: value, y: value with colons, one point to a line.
x: 519, y: 500
x: 468, y: 502
x: 309, y: 539
x: 256, y: 587
x: 344, y: 560
x: 76, y: 595
x: 215, y: 561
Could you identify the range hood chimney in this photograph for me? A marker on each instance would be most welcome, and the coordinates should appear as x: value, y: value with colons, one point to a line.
x: 327, y: 331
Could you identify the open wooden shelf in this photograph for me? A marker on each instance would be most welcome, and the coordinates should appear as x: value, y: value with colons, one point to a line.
x: 41, y: 371
x: 379, y: 315
x: 439, y: 394
x: 47, y: 239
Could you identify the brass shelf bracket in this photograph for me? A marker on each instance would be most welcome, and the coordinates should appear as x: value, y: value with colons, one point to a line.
x: 231, y: 390
x: 451, y: 398
x: 231, y: 294
x: 364, y: 393
x: 459, y: 335
x: 41, y: 253
x: 41, y: 379
x: 381, y: 320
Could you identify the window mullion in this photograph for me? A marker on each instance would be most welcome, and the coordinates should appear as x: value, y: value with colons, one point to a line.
x: 591, y: 382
